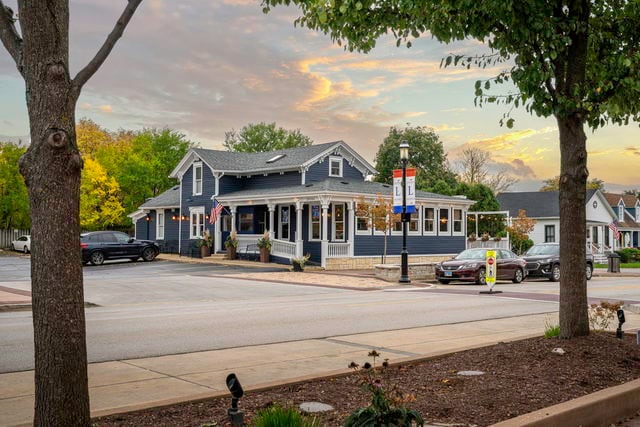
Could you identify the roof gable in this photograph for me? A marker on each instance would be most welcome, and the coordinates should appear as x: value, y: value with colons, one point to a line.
x: 540, y: 204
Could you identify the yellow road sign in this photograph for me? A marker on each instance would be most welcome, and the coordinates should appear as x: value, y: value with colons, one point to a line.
x: 491, y: 268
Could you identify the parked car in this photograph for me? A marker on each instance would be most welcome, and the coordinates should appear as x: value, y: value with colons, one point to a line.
x: 543, y: 260
x: 469, y: 266
x: 98, y: 246
x: 22, y: 244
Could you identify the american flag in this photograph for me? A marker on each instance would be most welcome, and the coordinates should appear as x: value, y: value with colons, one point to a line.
x: 614, y: 227
x: 216, y: 210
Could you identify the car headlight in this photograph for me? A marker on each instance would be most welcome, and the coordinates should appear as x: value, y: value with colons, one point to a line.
x: 438, y: 265
x: 545, y: 261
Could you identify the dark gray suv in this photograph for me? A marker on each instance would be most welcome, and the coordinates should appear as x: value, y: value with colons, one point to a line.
x: 98, y: 246
x: 543, y: 260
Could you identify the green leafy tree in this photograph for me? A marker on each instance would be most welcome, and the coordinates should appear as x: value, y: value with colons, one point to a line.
x: 100, y: 205
x: 426, y: 154
x: 553, y: 184
x: 575, y: 60
x: 14, y: 200
x: 91, y: 137
x: 262, y: 136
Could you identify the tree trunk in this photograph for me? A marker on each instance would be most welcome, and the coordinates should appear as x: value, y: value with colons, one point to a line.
x: 51, y: 167
x: 573, y: 179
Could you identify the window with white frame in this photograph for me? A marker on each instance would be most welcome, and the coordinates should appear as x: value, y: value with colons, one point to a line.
x: 457, y: 221
x: 246, y: 223
x: 226, y: 222
x: 335, y: 166
x: 363, y: 223
x: 620, y: 212
x: 160, y: 225
x: 413, y: 225
x: 638, y: 212
x: 197, y: 179
x: 429, y: 220
x: 284, y: 225
x: 443, y: 221
x: 315, y: 215
x: 196, y: 222
x: 338, y: 222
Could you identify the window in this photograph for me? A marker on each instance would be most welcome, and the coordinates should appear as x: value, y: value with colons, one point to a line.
x: 283, y: 227
x: 160, y: 225
x: 443, y: 221
x: 226, y: 223
x: 363, y: 223
x: 413, y: 224
x: 549, y: 233
x: 429, y: 220
x: 196, y: 222
x: 620, y: 212
x: 121, y: 237
x: 314, y: 222
x: 338, y: 221
x: 457, y: 221
x: 197, y: 179
x: 335, y: 166
x: 246, y: 223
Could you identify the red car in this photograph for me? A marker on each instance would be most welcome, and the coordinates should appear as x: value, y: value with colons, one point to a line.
x: 469, y: 266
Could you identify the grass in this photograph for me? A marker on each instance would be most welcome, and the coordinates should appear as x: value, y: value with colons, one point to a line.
x: 551, y: 330
x: 622, y: 265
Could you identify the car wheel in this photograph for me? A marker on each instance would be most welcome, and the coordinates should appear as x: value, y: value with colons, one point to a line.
x: 443, y: 281
x: 149, y: 254
x: 555, y: 273
x: 97, y: 258
x: 13, y: 248
x: 482, y: 277
x: 25, y: 250
x: 589, y: 272
x: 519, y: 276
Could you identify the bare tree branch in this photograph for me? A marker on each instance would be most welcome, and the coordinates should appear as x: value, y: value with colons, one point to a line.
x: 9, y: 35
x: 89, y: 70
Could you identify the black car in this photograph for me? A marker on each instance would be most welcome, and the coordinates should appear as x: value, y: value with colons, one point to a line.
x: 543, y: 260
x: 98, y: 246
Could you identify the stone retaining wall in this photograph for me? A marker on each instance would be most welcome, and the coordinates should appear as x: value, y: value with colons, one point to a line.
x: 417, y: 271
x: 364, y: 263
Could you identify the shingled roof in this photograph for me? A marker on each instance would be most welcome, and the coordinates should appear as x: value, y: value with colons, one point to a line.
x: 628, y: 199
x: 168, y: 199
x: 537, y: 204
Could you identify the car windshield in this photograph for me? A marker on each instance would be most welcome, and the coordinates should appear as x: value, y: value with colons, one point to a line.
x: 472, y: 254
x: 543, y: 250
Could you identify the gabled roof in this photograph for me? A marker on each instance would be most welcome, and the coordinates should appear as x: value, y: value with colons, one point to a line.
x: 333, y: 185
x: 251, y: 163
x: 629, y: 200
x: 537, y: 204
x: 168, y: 199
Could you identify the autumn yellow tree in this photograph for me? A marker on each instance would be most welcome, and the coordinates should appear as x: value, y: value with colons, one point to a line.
x: 380, y: 215
x: 91, y: 137
x: 100, y: 205
x: 519, y: 231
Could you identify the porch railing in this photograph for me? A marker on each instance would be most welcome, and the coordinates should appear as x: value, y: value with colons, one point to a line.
x: 338, y: 250
x: 500, y: 244
x: 245, y: 240
x: 283, y: 248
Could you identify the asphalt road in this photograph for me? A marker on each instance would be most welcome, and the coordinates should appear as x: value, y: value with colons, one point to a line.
x: 151, y: 309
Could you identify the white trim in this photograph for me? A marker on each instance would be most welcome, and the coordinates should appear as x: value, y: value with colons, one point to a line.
x: 180, y: 221
x: 434, y: 219
x: 197, y: 165
x: 448, y: 232
x: 139, y: 214
x: 164, y: 218
x: 280, y: 228
x: 198, y: 210
x: 335, y: 149
x: 409, y: 232
x: 462, y: 221
x: 368, y: 231
x: 333, y: 222
x: 341, y: 166
x: 311, y: 238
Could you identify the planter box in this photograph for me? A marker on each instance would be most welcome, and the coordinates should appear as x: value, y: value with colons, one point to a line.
x: 417, y: 271
x: 264, y: 255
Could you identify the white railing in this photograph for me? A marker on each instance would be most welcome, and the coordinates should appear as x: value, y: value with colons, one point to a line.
x: 499, y: 244
x: 283, y: 248
x: 6, y: 236
x: 338, y: 250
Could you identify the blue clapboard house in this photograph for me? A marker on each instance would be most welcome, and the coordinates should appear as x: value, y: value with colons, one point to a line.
x: 305, y: 198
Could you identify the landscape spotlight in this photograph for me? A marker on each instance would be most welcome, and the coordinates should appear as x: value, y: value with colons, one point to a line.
x: 236, y: 416
x: 621, y: 320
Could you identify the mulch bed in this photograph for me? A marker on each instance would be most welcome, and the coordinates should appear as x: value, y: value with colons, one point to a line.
x: 520, y: 377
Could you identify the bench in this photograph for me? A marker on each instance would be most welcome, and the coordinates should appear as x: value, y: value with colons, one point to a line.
x: 250, y: 252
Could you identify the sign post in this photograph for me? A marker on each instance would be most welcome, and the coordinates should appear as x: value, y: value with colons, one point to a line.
x: 491, y: 271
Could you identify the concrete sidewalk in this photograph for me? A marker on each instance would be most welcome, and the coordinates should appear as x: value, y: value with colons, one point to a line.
x: 127, y: 385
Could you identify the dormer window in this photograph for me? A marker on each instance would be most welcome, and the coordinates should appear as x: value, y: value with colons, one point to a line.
x: 335, y: 166
x: 197, y: 179
x: 620, y: 212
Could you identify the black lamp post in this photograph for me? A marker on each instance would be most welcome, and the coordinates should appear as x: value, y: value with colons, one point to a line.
x: 404, y: 255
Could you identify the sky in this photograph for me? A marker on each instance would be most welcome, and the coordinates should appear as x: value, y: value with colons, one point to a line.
x: 206, y: 67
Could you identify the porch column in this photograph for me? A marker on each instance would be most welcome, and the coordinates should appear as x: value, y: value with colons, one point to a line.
x: 299, y: 242
x: 325, y: 228
x: 272, y: 210
x: 232, y: 208
x: 352, y: 227
x: 217, y: 240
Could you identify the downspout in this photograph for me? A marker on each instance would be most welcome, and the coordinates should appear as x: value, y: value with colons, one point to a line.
x: 180, y: 221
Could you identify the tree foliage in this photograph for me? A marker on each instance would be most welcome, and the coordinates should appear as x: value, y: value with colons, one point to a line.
x: 553, y: 184
x: 100, y: 205
x: 519, y: 230
x: 14, y: 200
x: 262, y: 136
x: 379, y: 213
x: 426, y: 154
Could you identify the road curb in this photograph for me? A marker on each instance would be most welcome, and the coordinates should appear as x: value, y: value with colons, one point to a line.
x: 14, y: 307
x: 601, y: 408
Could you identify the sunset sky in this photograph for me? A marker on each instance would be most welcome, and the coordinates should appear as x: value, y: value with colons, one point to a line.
x: 206, y: 67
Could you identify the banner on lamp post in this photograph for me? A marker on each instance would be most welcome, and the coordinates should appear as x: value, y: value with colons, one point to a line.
x: 410, y: 190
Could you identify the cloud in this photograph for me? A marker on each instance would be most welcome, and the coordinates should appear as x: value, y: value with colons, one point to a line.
x: 447, y: 128
x: 106, y: 108
x: 517, y: 167
x: 508, y: 140
x: 632, y: 151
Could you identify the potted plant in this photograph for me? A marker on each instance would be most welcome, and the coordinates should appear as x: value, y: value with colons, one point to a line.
x: 299, y: 263
x: 231, y: 244
x: 204, y: 244
x: 485, y: 237
x: 264, y: 243
x: 472, y: 237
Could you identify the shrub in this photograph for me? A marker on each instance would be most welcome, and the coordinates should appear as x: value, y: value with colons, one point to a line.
x: 277, y: 416
x: 600, y: 315
x: 232, y: 240
x: 628, y: 255
x: 551, y: 330
x: 387, y: 400
x: 264, y: 241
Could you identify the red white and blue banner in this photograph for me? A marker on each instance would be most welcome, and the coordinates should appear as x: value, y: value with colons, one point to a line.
x: 410, y: 190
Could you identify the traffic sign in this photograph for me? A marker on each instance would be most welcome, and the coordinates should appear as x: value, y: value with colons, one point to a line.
x: 491, y: 270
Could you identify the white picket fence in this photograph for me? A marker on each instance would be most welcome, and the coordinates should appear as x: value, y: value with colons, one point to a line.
x: 7, y: 236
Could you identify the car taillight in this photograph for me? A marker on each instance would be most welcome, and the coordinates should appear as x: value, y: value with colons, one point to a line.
x: 84, y: 245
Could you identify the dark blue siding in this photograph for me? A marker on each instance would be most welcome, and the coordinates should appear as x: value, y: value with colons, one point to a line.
x: 190, y: 200
x: 416, y: 245
x: 320, y: 171
x: 229, y: 184
x: 259, y: 182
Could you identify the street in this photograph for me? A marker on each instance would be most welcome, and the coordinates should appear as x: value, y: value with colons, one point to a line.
x: 159, y: 308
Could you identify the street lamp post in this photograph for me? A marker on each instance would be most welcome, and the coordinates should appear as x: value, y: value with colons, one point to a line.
x: 404, y: 255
